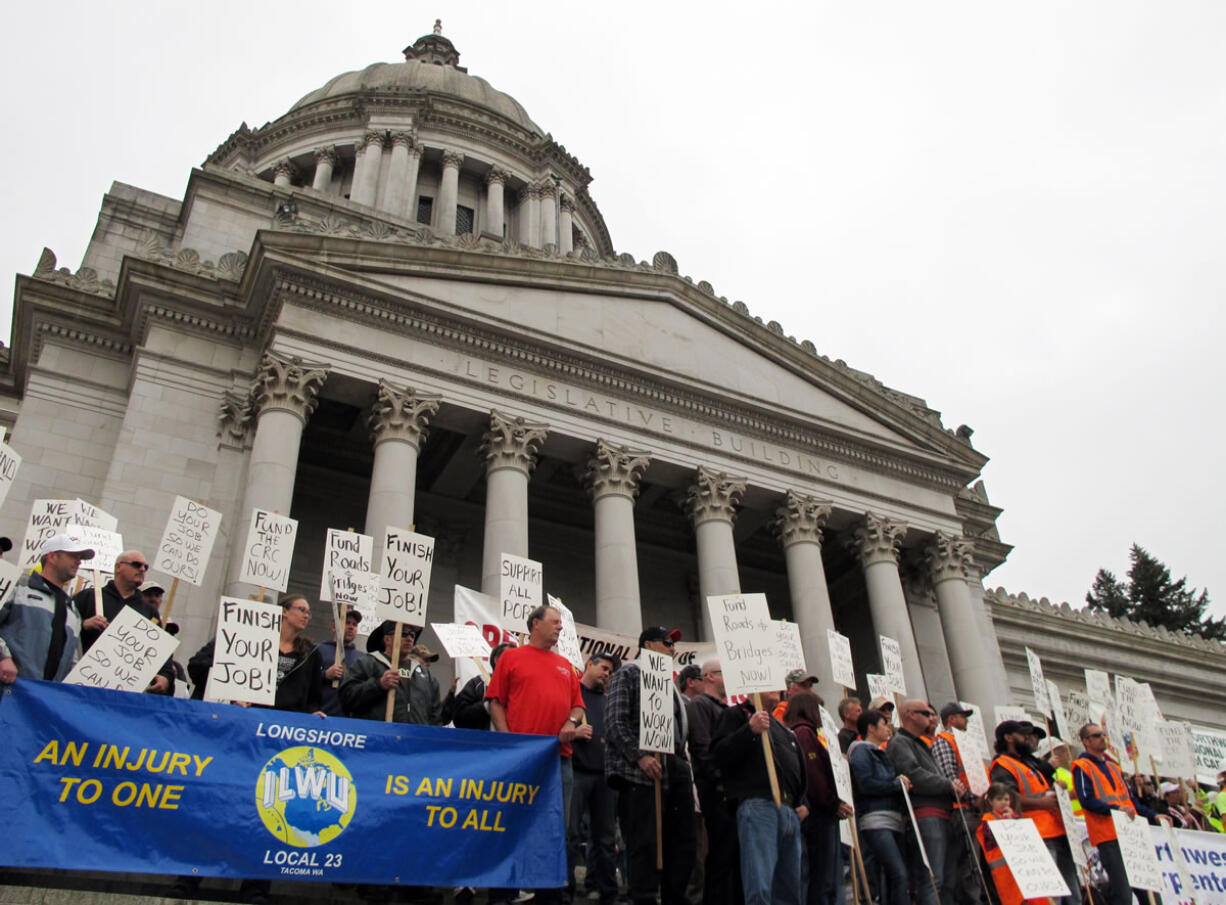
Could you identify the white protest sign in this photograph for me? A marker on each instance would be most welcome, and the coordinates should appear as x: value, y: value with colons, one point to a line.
x: 47, y: 518
x: 838, y: 761
x: 344, y: 551
x: 656, y: 702
x: 245, y: 652
x: 1069, y: 819
x: 1029, y: 861
x: 9, y: 463
x: 891, y: 664
x: 1137, y: 851
x: 1210, y: 747
x: 568, y: 639
x: 975, y: 726
x: 1038, y: 685
x: 1148, y: 718
x: 360, y: 592
x: 126, y: 656
x: 1179, y: 886
x: 269, y: 550
x: 521, y: 589
x: 1098, y: 689
x: 1130, y: 713
x: 91, y: 516
x: 9, y: 574
x: 1011, y: 712
x: 1076, y: 711
x: 1178, y: 754
x: 107, y: 546
x: 787, y: 646
x: 1063, y: 729
x: 482, y: 611
x: 744, y: 641
x: 840, y: 659
x: 461, y: 641
x: 187, y: 541
x: 407, y: 561
x: 882, y: 687
x: 971, y: 748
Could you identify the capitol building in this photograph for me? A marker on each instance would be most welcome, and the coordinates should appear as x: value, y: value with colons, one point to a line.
x: 399, y: 304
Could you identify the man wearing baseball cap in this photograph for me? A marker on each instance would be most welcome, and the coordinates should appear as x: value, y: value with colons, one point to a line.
x: 39, y: 628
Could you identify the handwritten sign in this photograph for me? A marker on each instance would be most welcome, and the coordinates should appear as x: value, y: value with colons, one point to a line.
x: 1038, y: 685
x: 882, y: 687
x: 656, y: 702
x: 1029, y: 860
x: 9, y: 463
x: 568, y: 640
x: 269, y: 550
x: 245, y: 652
x: 787, y: 646
x: 745, y: 642
x: 360, y: 592
x: 407, y: 560
x: 1076, y: 711
x: 344, y: 551
x: 1137, y: 851
x: 838, y: 761
x: 1071, y: 828
x: 461, y: 641
x: 521, y: 589
x: 107, y: 546
x: 891, y: 664
x: 840, y: 659
x: 970, y: 747
x: 126, y: 656
x: 1178, y: 753
x: 47, y: 518
x: 9, y: 574
x: 1063, y: 729
x: 1098, y: 688
x: 975, y: 725
x: 187, y: 541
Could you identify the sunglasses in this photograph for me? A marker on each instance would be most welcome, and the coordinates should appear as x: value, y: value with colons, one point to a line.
x: 134, y: 564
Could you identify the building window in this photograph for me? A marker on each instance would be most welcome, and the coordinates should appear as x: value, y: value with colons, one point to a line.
x: 464, y: 219
x: 425, y: 210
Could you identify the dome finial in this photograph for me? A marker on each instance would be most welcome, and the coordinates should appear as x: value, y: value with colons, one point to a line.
x: 435, y: 49
x: 438, y: 26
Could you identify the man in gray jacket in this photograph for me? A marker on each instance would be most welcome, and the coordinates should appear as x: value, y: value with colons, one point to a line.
x: 932, y: 797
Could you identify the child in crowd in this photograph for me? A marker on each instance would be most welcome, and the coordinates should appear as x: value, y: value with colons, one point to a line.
x: 1004, y: 804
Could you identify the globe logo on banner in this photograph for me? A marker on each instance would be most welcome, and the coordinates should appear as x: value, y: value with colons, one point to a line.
x: 305, y: 796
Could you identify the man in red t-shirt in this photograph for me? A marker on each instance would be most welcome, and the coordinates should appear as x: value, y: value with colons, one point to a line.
x: 536, y: 691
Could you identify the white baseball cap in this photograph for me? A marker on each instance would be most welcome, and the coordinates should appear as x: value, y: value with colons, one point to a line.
x: 65, y: 543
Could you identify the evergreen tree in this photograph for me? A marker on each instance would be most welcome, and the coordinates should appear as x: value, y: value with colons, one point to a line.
x: 1151, y: 596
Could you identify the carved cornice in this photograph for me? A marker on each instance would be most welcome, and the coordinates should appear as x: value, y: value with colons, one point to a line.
x: 878, y: 540
x: 949, y: 557
x: 452, y: 159
x: 615, y: 470
x: 288, y: 385
x: 402, y: 414
x: 714, y: 496
x: 234, y: 419
x: 512, y: 442
x: 801, y: 518
x: 496, y: 175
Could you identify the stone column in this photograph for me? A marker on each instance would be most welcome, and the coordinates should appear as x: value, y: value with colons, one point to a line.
x: 400, y: 191
x: 509, y: 447
x: 398, y: 421
x: 531, y: 206
x: 283, y: 173
x: 325, y: 163
x: 567, y: 226
x: 448, y: 192
x: 877, y: 542
x: 711, y: 503
x: 950, y: 561
x: 613, y: 475
x: 284, y: 394
x: 495, y: 181
x: 799, y: 525
x: 366, y: 172
x: 549, y: 213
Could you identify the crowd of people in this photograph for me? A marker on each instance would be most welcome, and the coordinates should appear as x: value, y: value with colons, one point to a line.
x: 744, y: 808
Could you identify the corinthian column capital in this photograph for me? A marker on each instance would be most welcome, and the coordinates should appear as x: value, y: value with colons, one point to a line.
x: 714, y: 495
x: 800, y: 519
x: 288, y: 384
x: 234, y: 418
x: 615, y: 470
x: 496, y: 175
x: 512, y: 442
x: 401, y: 414
x: 327, y: 155
x: 406, y: 138
x: 949, y: 557
x: 452, y: 159
x: 879, y: 539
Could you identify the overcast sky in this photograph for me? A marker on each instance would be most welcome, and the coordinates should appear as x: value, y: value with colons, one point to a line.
x: 1014, y: 211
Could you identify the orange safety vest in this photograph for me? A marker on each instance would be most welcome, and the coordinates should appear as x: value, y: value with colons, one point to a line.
x: 1006, y: 886
x: 1110, y: 789
x: 953, y: 743
x: 1032, y: 782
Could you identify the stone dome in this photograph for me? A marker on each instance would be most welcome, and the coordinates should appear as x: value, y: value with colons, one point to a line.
x: 431, y: 65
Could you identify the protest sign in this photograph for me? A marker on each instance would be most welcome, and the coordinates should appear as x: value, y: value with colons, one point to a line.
x: 568, y: 639
x: 405, y: 578
x: 881, y: 687
x: 245, y: 652
x: 126, y: 656
x: 47, y: 518
x: 1148, y: 718
x: 1098, y: 688
x: 107, y: 547
x: 1210, y: 747
x: 482, y: 611
x: 1063, y: 728
x: 973, y: 754
x: 656, y: 702
x: 1029, y: 861
x: 344, y: 551
x: 461, y: 640
x: 9, y: 574
x: 1137, y: 851
x: 685, y: 653
x: 1178, y: 754
x: 1076, y: 711
x: 787, y: 646
x: 838, y: 761
x: 1010, y: 712
x: 1071, y: 830
x: 521, y: 589
x: 840, y: 659
x: 187, y: 541
x: 91, y: 516
x: 10, y: 461
x: 1178, y: 883
x: 269, y: 550
x: 1130, y: 714
x: 744, y: 640
x: 1038, y: 685
x: 975, y: 725
x: 360, y: 592
x: 891, y: 664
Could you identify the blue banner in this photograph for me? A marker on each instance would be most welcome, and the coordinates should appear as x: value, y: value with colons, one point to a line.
x: 115, y: 781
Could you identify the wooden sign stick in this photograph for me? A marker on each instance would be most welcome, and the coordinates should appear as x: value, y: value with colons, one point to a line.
x: 391, y: 692
x: 170, y: 600
x: 659, y: 819
x: 857, y: 859
x: 769, y: 754
x: 98, y: 594
x: 340, y: 651
x: 485, y: 673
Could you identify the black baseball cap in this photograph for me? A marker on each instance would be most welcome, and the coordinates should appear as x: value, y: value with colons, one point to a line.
x: 659, y: 633
x: 955, y: 709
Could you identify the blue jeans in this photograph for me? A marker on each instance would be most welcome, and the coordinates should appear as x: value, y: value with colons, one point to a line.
x: 885, y: 847
x: 770, y: 852
x: 934, y: 831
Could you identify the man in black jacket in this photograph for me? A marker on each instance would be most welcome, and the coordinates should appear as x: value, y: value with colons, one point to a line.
x: 592, y: 795
x: 722, y: 884
x: 769, y: 836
